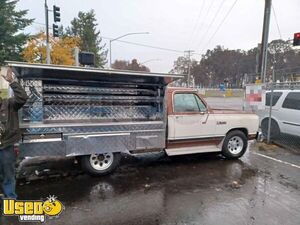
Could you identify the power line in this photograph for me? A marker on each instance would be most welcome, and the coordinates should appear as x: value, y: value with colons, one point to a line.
x: 139, y: 44
x: 276, y: 22
x: 197, y: 21
x: 142, y: 45
x: 147, y: 46
x: 212, y: 22
x: 204, y: 18
x: 223, y: 20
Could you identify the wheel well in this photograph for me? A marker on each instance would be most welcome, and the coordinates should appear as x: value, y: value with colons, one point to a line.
x: 267, y: 118
x: 274, y: 123
x: 244, y: 130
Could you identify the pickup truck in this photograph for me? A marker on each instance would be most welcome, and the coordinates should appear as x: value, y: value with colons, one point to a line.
x: 96, y: 114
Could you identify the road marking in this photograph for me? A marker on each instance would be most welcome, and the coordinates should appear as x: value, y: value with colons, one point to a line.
x: 277, y: 160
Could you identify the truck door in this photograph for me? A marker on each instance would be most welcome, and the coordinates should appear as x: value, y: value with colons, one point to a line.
x: 190, y: 118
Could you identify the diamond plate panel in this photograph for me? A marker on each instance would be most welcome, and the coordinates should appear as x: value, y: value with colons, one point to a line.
x: 96, y: 129
x: 43, y: 149
x: 85, y: 145
x: 149, y: 140
x: 96, y: 90
x: 33, y: 109
x: 71, y: 102
x: 54, y: 98
x: 33, y: 89
x: 75, y: 112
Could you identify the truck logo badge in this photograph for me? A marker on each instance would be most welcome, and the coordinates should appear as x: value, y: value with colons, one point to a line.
x: 221, y: 122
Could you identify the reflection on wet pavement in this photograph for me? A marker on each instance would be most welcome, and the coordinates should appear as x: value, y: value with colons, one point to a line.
x: 201, y: 189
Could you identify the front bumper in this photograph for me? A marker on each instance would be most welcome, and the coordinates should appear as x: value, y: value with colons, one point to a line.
x: 259, y: 136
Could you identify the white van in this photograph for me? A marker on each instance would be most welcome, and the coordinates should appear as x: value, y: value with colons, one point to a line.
x: 285, y: 113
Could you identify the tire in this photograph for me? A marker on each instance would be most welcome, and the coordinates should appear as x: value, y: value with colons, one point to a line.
x: 100, y: 164
x: 275, y: 130
x: 235, y: 144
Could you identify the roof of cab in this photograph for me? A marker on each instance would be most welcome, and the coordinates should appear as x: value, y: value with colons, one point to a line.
x: 183, y: 89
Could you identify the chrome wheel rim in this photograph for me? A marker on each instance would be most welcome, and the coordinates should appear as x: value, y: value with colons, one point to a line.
x: 101, y: 161
x: 235, y: 145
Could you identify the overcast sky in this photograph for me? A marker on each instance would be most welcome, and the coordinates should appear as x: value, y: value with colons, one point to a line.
x: 175, y: 24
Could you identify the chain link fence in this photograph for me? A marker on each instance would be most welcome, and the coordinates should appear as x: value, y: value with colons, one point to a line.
x: 280, y: 116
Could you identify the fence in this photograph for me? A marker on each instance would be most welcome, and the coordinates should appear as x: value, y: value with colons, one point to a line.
x: 280, y: 118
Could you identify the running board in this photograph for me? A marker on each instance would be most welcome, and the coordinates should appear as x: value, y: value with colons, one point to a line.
x: 192, y: 150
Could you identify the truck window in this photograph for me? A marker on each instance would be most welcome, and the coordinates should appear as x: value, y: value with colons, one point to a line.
x: 292, y: 101
x: 276, y: 96
x: 201, y: 105
x: 187, y: 102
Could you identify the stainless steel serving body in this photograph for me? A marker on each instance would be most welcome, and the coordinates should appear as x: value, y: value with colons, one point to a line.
x: 75, y: 111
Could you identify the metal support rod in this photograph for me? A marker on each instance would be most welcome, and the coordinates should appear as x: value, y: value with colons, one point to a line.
x: 265, y: 37
x: 76, y: 56
x: 270, y: 110
x: 189, y: 72
x: 48, y: 58
x: 110, y: 53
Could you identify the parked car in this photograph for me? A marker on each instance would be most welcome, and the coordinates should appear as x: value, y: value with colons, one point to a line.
x: 285, y: 117
x: 95, y: 114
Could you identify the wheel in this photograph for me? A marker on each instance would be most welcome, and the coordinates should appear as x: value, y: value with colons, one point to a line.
x: 275, y: 130
x: 235, y: 144
x: 100, y: 164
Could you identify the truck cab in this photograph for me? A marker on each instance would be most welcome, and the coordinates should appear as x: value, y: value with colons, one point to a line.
x: 195, y: 127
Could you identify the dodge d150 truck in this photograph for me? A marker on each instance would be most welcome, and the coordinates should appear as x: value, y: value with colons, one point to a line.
x: 96, y: 114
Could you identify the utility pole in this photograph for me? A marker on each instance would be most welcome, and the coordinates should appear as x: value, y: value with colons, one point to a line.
x: 265, y: 37
x: 48, y: 59
x: 189, y: 52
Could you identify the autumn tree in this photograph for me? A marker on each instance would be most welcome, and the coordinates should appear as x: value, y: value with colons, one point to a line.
x: 12, y: 23
x: 127, y: 65
x: 61, y: 49
x: 85, y: 28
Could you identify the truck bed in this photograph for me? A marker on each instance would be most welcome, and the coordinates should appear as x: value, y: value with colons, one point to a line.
x: 77, y: 111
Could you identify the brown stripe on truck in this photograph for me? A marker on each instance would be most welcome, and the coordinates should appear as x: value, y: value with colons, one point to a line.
x: 194, y: 142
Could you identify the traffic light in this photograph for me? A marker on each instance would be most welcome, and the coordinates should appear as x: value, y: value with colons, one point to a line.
x: 296, y: 39
x: 55, y: 30
x: 56, y: 14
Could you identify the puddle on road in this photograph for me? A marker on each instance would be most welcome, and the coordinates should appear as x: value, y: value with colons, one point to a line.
x: 159, y: 190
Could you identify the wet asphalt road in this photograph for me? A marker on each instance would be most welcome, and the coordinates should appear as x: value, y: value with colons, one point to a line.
x: 260, y: 188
